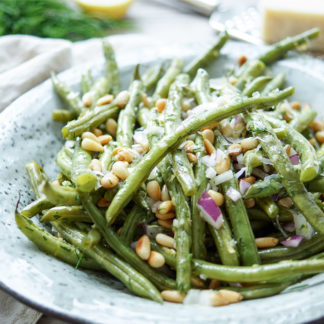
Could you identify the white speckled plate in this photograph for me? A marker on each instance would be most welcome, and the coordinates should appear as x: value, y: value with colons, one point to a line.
x: 27, y: 133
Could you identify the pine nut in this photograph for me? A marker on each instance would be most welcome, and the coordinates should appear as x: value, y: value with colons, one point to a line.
x: 217, y: 197
x: 145, y: 100
x: 90, y: 136
x: 87, y: 99
x: 104, y: 139
x: 189, y: 146
x: 97, y: 132
x: 197, y: 282
x: 165, y: 207
x: 143, y: 247
x: 249, y: 143
x: 156, y: 260
x: 234, y: 149
x: 316, y: 126
x: 312, y: 141
x: 103, y: 203
x: 227, y: 129
x: 109, y: 180
x: 122, y: 99
x: 116, y: 150
x: 209, y: 146
x: 95, y: 165
x: 320, y: 136
x: 153, y: 189
x: 287, y: 148
x: 212, y: 126
x: 165, y: 240
x: 266, y: 242
x: 249, y: 203
x: 111, y: 127
x: 124, y: 155
x: 232, y: 80
x: 225, y: 297
x: 287, y: 117
x: 285, y: 202
x: 192, y: 158
x: 209, y: 135
x: 146, y: 146
x: 250, y: 179
x: 165, y: 193
x: 160, y: 104
x: 173, y: 296
x: 223, y: 165
x: 105, y: 100
x: 166, y: 216
x: 214, y: 283
x: 295, y: 105
x: 167, y: 223
x: 120, y: 169
x: 242, y: 59
x: 91, y: 145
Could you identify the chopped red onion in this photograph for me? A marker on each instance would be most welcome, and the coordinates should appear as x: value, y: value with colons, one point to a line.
x: 155, y: 206
x: 289, y: 227
x: 240, y: 173
x: 209, y: 211
x: 275, y: 197
x: 244, y: 186
x: 292, y: 241
x: 210, y: 173
x: 199, y: 297
x: 233, y: 194
x: 294, y: 159
x: 234, y: 149
x: 225, y: 176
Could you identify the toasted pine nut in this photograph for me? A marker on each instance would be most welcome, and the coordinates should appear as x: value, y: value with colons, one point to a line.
x: 189, y: 146
x: 166, y: 216
x: 316, y: 126
x: 153, y: 189
x: 90, y: 136
x: 167, y: 223
x: 227, y: 129
x: 160, y: 104
x: 111, y: 127
x: 212, y: 126
x: 143, y: 247
x: 119, y: 230
x: 165, y: 193
x: 223, y: 165
x: 287, y: 117
x: 95, y: 165
x: 242, y: 59
x: 145, y: 100
x: 287, y: 148
x: 192, y: 158
x: 285, y: 202
x: 173, y: 296
x: 209, y: 135
x: 197, y: 282
x: 295, y: 105
x: 165, y: 207
x: 320, y: 136
x: 103, y: 203
x: 249, y: 203
x: 105, y: 100
x: 214, y: 283
x: 146, y: 146
x: 97, y: 132
x: 109, y: 180
x: 250, y: 179
x: 104, y: 139
x: 91, y: 145
x: 156, y: 260
x: 217, y: 197
x: 165, y: 240
x: 266, y: 242
x: 124, y: 155
x: 116, y: 150
x: 120, y: 169
x: 209, y: 146
x: 312, y: 141
x: 234, y: 149
x: 225, y: 297
x: 232, y: 80
x: 249, y: 143
x: 87, y: 99
x: 122, y: 99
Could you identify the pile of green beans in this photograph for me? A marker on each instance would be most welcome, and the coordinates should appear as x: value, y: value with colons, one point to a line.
x: 137, y: 162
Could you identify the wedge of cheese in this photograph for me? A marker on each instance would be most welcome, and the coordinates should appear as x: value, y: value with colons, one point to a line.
x: 282, y: 18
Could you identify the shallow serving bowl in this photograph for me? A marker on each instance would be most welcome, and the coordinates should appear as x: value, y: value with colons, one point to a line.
x: 27, y: 133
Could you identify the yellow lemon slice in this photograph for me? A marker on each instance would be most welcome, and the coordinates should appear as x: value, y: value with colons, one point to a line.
x: 111, y: 8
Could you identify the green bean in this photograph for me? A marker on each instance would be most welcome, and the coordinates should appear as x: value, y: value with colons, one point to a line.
x: 169, y: 257
x: 86, y: 82
x: 61, y: 196
x: 275, y: 83
x: 257, y: 214
x: 127, y: 116
x: 171, y: 141
x: 113, y: 240
x: 81, y: 175
x: 255, y: 85
x: 70, y: 213
x: 99, y: 89
x: 252, y: 159
x: 89, y: 120
x: 248, y: 72
x: 132, y: 279
x: 290, y: 179
x: 112, y: 73
x: 106, y: 157
x: 285, y: 214
x: 37, y: 178
x: 303, y: 119
x: 316, y: 185
x: 36, y: 207
x: 151, y: 77
x: 53, y: 245
x: 264, y: 188
x: 279, y: 50
x: 70, y: 97
x: 306, y: 152
x: 281, y: 132
x: 143, y: 116
x: 92, y: 238
x: 268, y: 206
x: 320, y: 157
x: 162, y: 87
x: 200, y: 86
x: 207, y: 57
x: 64, y: 162
x: 63, y: 115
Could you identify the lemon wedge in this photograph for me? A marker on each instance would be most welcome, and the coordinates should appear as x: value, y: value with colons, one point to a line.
x: 111, y: 8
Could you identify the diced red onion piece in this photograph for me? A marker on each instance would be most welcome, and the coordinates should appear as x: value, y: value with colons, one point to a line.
x: 233, y: 194
x: 225, y: 176
x: 240, y: 173
x: 275, y: 197
x: 155, y: 206
x: 294, y: 159
x: 199, y: 297
x: 244, y: 186
x: 289, y: 227
x: 209, y: 211
x: 292, y: 241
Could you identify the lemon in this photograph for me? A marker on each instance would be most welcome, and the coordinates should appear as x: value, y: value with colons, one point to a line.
x: 111, y: 8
